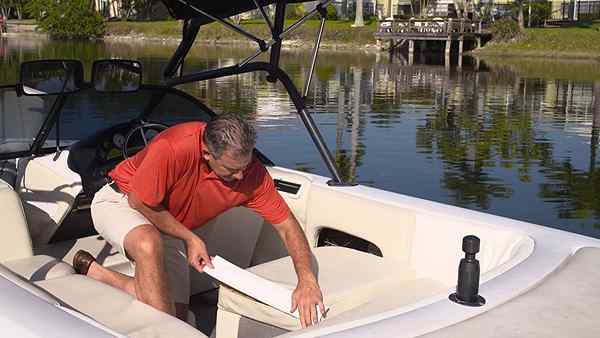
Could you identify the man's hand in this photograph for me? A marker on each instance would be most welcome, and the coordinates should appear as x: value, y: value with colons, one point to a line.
x: 197, y: 255
x: 306, y: 298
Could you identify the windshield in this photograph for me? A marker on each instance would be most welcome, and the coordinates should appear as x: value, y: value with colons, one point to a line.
x: 21, y: 117
x: 87, y: 112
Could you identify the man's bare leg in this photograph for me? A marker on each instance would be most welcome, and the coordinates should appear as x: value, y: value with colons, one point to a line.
x: 112, y: 278
x: 127, y: 284
x: 144, y: 245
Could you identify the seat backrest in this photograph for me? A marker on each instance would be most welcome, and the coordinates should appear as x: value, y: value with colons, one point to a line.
x: 15, y: 241
x: 232, y: 235
x: 48, y: 189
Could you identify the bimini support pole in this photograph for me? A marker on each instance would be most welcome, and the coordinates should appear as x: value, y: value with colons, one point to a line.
x: 323, y: 12
x: 188, y: 36
x: 277, y: 29
x: 264, y: 15
x: 261, y: 43
x: 279, y: 34
x: 317, y: 138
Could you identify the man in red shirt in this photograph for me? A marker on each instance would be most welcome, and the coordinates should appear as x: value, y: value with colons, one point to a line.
x: 187, y: 175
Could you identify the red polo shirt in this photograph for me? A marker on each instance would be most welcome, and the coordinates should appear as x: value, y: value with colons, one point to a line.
x: 171, y: 171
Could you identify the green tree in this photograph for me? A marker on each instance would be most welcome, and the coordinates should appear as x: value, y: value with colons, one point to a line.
x: 67, y: 19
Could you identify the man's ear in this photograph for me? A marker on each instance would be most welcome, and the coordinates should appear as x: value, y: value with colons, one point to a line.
x: 206, y: 155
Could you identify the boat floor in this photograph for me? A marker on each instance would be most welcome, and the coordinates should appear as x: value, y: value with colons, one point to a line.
x: 565, y: 304
x: 204, y: 307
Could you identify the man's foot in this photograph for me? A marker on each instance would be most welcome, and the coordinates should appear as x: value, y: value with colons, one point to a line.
x: 82, y: 261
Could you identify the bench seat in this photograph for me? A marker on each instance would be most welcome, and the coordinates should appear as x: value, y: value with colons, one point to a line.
x: 115, y: 309
x: 111, y: 307
x: 37, y: 268
x: 347, y: 277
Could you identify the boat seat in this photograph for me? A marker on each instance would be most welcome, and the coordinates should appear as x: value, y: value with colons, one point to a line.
x: 109, y: 306
x: 39, y: 268
x: 115, y: 309
x: 15, y: 242
x: 48, y: 189
x: 104, y: 253
x: 348, y: 278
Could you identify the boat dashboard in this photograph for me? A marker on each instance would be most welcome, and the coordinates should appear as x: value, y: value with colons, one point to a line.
x: 93, y: 157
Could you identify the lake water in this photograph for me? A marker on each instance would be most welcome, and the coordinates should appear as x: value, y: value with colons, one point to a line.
x: 516, y: 138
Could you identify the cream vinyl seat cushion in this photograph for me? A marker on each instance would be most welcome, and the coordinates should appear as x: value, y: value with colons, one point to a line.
x: 15, y: 242
x: 48, y: 189
x: 116, y: 309
x: 348, y: 278
x: 104, y: 253
x: 39, y: 268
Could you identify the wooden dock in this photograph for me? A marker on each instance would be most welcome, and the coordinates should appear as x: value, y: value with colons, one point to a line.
x: 396, y: 33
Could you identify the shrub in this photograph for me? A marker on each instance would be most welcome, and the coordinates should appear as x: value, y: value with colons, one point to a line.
x: 67, y: 18
x: 505, y: 30
x: 294, y: 11
x: 331, y: 12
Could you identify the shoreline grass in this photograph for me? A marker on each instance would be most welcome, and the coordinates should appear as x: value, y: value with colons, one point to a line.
x: 582, y: 42
x: 336, y: 32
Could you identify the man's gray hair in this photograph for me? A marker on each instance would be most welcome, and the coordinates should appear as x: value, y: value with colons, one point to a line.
x: 229, y: 132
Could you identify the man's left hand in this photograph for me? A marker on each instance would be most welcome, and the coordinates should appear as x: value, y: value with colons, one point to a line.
x: 306, y: 298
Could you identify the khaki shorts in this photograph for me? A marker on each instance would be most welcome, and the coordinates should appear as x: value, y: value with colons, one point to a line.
x: 113, y: 219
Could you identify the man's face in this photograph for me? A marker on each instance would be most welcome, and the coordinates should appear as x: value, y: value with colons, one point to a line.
x: 229, y: 167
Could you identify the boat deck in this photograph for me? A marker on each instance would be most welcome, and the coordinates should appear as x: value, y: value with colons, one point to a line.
x: 566, y: 304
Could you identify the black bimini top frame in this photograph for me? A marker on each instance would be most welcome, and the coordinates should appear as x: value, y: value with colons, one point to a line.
x: 199, y: 12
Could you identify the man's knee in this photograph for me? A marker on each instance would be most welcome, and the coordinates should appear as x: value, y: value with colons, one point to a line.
x: 143, y: 241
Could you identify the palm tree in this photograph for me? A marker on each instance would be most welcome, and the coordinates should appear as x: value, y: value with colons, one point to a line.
x: 520, y: 17
x: 358, y: 19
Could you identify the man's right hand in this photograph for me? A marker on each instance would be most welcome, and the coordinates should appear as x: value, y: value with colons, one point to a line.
x: 197, y: 255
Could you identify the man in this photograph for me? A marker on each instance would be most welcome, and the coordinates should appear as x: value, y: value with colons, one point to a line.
x: 187, y: 175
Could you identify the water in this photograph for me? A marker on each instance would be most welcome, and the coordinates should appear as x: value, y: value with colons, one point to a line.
x: 514, y: 138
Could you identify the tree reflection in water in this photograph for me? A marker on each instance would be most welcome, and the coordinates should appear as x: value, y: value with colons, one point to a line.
x: 577, y: 191
x: 503, y: 135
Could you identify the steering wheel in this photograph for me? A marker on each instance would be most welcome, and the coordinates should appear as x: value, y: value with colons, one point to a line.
x: 158, y: 127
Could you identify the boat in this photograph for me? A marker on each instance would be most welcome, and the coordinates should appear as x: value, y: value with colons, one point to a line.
x: 389, y: 265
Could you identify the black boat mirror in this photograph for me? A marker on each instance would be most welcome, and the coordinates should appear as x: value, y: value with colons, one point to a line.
x: 51, y: 77
x: 117, y: 76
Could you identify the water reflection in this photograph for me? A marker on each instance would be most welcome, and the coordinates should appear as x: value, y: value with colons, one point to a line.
x: 514, y: 138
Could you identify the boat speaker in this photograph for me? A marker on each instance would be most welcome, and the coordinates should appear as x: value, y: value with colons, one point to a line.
x: 467, y: 288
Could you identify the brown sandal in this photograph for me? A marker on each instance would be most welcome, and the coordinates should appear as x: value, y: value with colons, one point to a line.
x: 82, y: 261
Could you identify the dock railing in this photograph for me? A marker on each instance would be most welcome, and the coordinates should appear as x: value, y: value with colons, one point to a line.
x: 427, y: 27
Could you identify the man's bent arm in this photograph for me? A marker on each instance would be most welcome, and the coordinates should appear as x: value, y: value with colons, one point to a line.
x: 297, y: 246
x: 164, y: 221
x: 308, y: 293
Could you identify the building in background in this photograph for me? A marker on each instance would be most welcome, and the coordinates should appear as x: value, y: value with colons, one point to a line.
x: 560, y: 9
